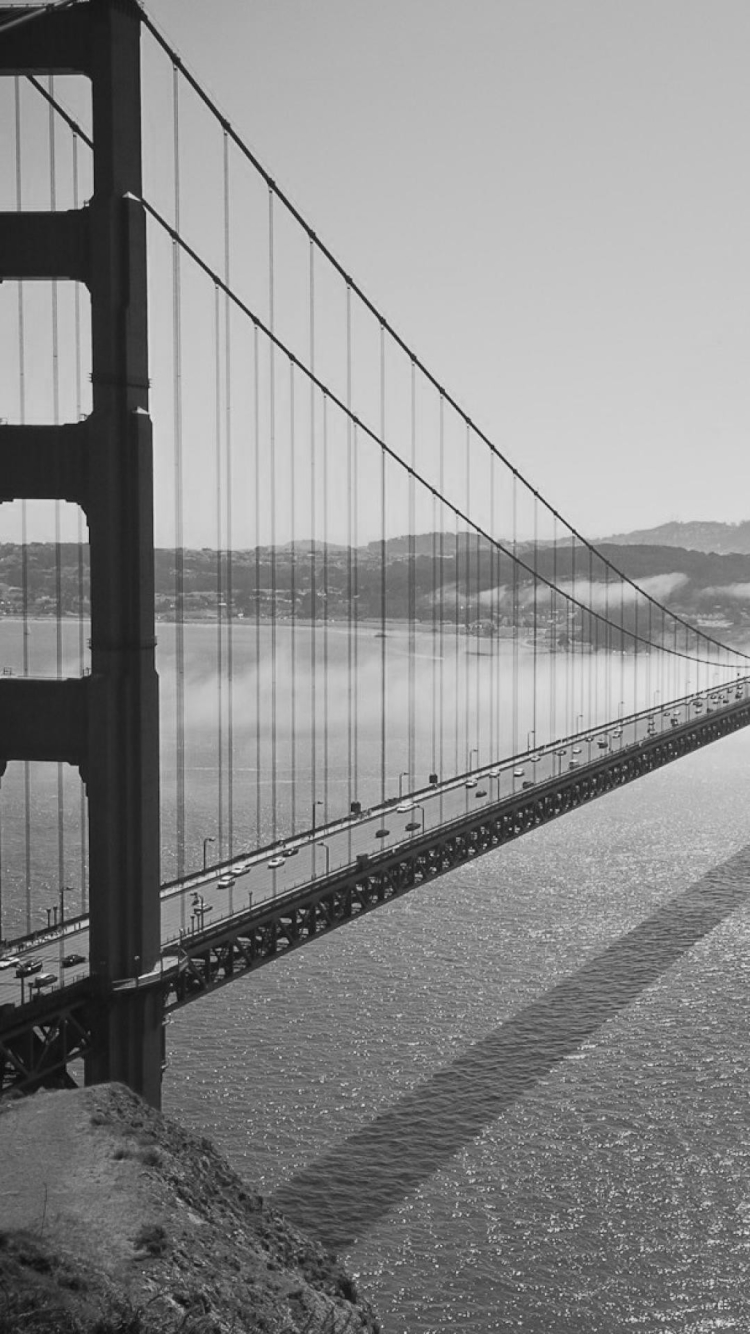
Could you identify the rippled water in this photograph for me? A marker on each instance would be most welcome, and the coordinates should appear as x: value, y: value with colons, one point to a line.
x: 518, y: 1098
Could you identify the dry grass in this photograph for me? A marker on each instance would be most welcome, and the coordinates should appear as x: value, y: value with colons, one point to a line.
x: 120, y: 1222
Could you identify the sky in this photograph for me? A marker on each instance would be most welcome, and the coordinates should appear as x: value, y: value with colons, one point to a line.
x: 548, y: 199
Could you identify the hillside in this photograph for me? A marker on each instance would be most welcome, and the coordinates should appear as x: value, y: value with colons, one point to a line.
x: 698, y: 535
x: 464, y: 582
x: 115, y: 1220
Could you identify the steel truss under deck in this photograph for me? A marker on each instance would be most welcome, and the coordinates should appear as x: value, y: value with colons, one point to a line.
x: 39, y: 1040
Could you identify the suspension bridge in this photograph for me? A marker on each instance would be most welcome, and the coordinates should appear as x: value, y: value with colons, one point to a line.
x: 284, y: 634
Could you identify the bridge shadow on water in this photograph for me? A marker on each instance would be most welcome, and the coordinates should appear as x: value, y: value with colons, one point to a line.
x: 347, y: 1191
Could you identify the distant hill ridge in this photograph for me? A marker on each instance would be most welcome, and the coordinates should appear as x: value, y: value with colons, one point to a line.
x: 697, y: 535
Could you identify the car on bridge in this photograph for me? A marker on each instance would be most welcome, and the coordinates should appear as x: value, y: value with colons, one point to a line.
x: 44, y: 980
x: 10, y: 961
x: 28, y: 967
x: 70, y: 960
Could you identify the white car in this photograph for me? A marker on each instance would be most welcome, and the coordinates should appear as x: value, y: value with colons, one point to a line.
x: 276, y: 862
x: 10, y: 960
x: 225, y: 882
x: 405, y: 806
x: 44, y: 980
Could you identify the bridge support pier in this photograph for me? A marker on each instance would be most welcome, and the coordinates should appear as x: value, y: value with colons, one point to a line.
x: 130, y: 1045
x: 104, y: 465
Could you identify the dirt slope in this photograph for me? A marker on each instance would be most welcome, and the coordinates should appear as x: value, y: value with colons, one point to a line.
x: 115, y: 1220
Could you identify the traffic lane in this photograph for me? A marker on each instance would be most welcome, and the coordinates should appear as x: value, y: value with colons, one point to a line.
x: 48, y: 952
x: 265, y: 876
x: 205, y: 902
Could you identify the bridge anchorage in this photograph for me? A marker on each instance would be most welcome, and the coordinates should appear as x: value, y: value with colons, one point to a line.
x: 411, y: 657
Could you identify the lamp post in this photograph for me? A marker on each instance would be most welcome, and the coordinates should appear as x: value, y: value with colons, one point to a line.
x: 579, y: 719
x: 64, y: 889
x: 413, y: 822
x: 474, y: 751
x: 314, y: 871
x: 206, y: 842
x: 401, y: 776
x: 531, y: 733
x: 327, y: 852
x: 200, y: 908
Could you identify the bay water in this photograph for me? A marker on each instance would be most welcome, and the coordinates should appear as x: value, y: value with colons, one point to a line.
x: 518, y: 1098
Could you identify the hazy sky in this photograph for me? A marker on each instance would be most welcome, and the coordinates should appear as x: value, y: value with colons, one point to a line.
x: 549, y: 198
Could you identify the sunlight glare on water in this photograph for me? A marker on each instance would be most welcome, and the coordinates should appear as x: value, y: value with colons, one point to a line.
x: 609, y: 1193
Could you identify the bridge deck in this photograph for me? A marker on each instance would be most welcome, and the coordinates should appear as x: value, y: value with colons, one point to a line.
x: 429, y: 833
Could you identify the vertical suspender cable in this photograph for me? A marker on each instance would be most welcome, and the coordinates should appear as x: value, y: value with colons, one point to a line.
x: 536, y: 617
x: 467, y: 613
x: 80, y: 537
x: 458, y: 763
x: 293, y: 595
x: 272, y: 500
x: 554, y: 637
x: 313, y: 553
x: 571, y: 612
x: 514, y: 739
x: 355, y: 599
x: 491, y: 612
x: 350, y: 706
x: 58, y: 505
x: 383, y: 583
x: 592, y: 643
x: 179, y: 553
x: 259, y: 657
x: 229, y: 494
x: 478, y: 731
x: 326, y: 609
x: 649, y: 659
x: 622, y: 644
x: 635, y: 646
x: 440, y: 766
x: 412, y: 599
x: 219, y: 517
x: 607, y: 648
x: 434, y: 636
x: 24, y: 518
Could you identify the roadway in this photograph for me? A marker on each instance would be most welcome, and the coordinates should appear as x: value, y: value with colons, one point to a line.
x: 208, y: 897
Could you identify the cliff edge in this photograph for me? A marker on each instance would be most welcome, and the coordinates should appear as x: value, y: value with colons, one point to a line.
x: 115, y: 1220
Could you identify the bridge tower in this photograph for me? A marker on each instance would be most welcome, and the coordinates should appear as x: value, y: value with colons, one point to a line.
x: 105, y: 723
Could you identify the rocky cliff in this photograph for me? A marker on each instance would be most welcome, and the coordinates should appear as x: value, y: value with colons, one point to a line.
x: 115, y: 1220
